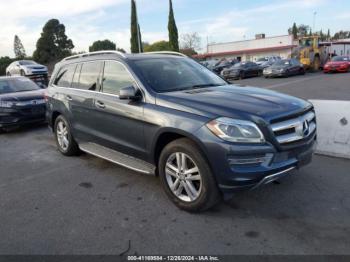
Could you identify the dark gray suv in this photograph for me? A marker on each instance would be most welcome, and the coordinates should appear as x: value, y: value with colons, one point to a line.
x: 165, y: 114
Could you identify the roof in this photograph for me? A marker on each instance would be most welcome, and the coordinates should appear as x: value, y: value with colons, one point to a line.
x: 236, y: 52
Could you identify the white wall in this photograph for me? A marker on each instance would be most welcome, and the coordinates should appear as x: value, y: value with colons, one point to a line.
x: 252, y: 44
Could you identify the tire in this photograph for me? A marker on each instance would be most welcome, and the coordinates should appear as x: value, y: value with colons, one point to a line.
x: 8, y: 74
x: 64, y: 139
x: 316, y: 64
x: 241, y: 75
x: 287, y: 74
x: 22, y: 73
x: 201, y: 179
x: 302, y: 71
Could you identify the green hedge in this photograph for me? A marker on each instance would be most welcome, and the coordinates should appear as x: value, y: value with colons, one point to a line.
x: 4, y: 62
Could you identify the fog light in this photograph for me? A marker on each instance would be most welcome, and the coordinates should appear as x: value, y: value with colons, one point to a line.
x: 251, y: 160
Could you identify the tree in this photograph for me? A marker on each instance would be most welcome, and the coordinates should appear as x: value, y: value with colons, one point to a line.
x: 18, y: 48
x: 53, y: 43
x: 158, y: 46
x: 5, y: 62
x: 328, y: 35
x: 135, y: 39
x: 295, y: 31
x: 302, y: 30
x: 310, y: 32
x: 190, y: 41
x: 341, y: 35
x: 188, y: 51
x: 172, y: 29
x: 121, y: 50
x: 102, y: 45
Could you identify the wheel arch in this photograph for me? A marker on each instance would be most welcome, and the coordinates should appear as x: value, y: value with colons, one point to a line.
x: 169, y: 135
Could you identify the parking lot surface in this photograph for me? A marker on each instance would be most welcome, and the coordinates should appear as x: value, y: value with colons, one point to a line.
x: 51, y: 204
x: 309, y: 86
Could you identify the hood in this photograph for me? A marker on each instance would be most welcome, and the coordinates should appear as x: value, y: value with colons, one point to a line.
x: 233, y: 101
x: 279, y: 66
x: 23, y: 96
x: 335, y: 63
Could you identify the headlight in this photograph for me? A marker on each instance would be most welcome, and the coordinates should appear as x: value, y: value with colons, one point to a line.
x: 6, y: 104
x: 281, y: 70
x: 235, y: 130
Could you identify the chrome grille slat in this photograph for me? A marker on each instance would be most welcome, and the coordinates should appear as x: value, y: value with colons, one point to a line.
x: 296, y: 128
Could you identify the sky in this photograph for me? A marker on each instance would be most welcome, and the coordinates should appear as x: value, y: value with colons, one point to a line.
x: 214, y: 20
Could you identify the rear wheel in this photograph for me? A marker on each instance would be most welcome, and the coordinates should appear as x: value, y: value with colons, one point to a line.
x: 316, y: 64
x: 64, y: 139
x: 186, y: 176
x: 301, y: 71
x: 241, y: 75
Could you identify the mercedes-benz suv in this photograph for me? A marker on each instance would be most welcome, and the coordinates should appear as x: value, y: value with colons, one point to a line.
x: 165, y: 114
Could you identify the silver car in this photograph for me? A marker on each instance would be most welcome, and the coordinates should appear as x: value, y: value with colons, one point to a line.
x: 25, y: 68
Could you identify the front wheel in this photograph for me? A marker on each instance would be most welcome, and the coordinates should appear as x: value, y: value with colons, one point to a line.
x: 186, y: 176
x: 64, y: 139
x: 8, y: 74
x: 22, y: 73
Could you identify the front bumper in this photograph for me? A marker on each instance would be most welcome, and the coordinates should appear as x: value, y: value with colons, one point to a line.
x: 242, y: 167
x: 274, y: 74
x: 336, y: 70
x: 10, y: 117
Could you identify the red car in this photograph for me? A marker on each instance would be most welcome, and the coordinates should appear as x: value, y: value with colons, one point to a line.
x: 338, y: 64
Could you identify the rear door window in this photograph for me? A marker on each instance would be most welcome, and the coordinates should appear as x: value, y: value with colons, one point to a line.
x: 115, y: 77
x: 65, y: 76
x: 89, y: 76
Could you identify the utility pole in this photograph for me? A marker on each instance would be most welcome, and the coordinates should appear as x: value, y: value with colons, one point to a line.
x: 314, y: 21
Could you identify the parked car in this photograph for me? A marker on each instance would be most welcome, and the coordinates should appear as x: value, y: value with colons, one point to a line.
x: 21, y: 102
x: 31, y: 69
x: 242, y: 70
x: 339, y: 64
x: 285, y: 67
x: 163, y: 113
x: 222, y: 65
x: 264, y: 62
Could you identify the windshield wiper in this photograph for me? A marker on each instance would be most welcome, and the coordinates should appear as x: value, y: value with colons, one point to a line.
x: 204, y: 85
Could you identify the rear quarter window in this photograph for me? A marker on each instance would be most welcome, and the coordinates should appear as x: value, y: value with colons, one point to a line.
x: 65, y: 76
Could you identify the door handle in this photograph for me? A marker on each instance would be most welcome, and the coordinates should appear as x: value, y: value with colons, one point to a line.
x: 69, y: 98
x: 100, y: 104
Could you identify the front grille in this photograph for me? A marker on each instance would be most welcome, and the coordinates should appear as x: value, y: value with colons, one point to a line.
x: 295, y: 129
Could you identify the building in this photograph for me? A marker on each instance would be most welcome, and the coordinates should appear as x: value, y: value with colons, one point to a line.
x: 340, y: 47
x: 251, y: 50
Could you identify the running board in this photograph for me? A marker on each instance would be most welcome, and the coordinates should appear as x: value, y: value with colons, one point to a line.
x: 118, y: 158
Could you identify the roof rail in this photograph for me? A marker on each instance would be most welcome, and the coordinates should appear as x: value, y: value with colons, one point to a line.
x: 165, y: 53
x: 94, y: 53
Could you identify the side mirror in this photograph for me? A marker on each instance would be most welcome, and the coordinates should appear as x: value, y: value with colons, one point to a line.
x: 129, y: 92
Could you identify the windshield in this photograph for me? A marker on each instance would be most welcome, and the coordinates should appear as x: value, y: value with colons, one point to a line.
x: 340, y: 58
x: 27, y: 62
x: 174, y: 74
x: 282, y: 62
x: 239, y: 65
x: 263, y: 59
x: 16, y: 85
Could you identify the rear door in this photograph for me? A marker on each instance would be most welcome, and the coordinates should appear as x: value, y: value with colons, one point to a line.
x: 119, y: 123
x: 78, y: 96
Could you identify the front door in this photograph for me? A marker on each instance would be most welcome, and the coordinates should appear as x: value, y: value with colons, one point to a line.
x: 119, y: 123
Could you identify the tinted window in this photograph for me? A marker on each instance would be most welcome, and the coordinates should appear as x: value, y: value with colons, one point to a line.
x: 17, y: 85
x: 115, y: 77
x: 175, y: 73
x: 65, y: 76
x: 89, y: 74
x: 27, y: 62
x: 75, y: 81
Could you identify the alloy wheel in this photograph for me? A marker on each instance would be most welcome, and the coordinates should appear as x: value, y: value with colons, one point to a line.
x: 183, y: 177
x: 62, y: 135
